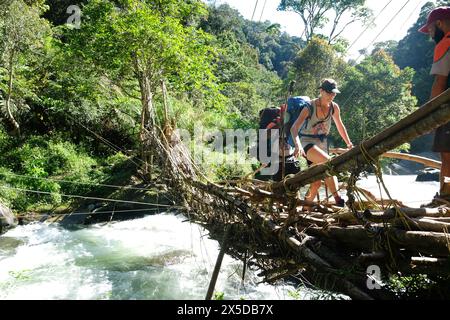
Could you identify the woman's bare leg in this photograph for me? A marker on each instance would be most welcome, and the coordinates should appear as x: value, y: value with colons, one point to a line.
x: 312, y: 192
x: 318, y: 156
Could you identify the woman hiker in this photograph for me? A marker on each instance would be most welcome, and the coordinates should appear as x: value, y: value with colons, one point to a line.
x: 314, y: 123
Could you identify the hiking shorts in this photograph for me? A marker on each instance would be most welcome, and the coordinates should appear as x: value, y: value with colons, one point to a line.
x: 442, y: 139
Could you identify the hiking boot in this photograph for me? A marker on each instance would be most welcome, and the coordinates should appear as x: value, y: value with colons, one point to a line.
x: 435, y: 203
x: 340, y: 203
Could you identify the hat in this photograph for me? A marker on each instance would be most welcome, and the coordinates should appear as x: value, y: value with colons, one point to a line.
x: 441, y: 13
x: 329, y: 85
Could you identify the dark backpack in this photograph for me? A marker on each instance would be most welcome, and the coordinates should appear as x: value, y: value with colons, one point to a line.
x: 269, y: 119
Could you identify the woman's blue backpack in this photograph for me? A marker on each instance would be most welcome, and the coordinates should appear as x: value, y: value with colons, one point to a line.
x: 294, y: 108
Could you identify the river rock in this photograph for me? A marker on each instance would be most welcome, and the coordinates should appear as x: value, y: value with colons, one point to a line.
x: 400, y: 169
x: 7, y: 218
x: 428, y: 174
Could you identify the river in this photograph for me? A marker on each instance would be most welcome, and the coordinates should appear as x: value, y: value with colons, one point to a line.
x: 156, y: 257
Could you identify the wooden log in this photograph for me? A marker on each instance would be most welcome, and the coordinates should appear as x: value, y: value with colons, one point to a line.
x: 432, y: 243
x: 377, y: 204
x: 415, y: 241
x: 424, y: 265
x: 400, y: 156
x: 440, y: 219
x: 366, y: 258
x: 308, y: 256
x: 432, y: 115
x: 354, y: 237
x: 316, y: 206
x: 346, y: 216
x: 243, y: 192
x: 310, y: 221
x: 427, y: 261
x: 421, y: 212
x: 446, y: 187
x: 265, y: 193
x: 424, y: 224
x: 323, y: 251
x: 393, y: 213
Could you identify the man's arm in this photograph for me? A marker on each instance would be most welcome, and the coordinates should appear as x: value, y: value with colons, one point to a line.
x: 439, y: 85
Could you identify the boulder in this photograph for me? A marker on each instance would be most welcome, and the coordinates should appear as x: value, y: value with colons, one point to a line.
x: 428, y: 174
x: 7, y: 218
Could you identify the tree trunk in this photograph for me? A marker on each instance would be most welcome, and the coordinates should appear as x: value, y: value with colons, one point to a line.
x: 10, y: 117
x: 147, y: 122
x: 165, y: 103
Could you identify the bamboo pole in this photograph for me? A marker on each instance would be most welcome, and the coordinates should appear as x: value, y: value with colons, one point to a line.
x: 401, y: 156
x: 218, y: 265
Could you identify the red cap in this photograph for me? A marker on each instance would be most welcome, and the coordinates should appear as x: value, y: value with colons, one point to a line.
x: 441, y: 13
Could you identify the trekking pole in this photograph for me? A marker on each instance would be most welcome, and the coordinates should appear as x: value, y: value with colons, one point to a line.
x: 283, y: 133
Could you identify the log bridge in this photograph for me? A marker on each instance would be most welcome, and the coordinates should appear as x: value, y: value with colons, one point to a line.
x: 332, y: 248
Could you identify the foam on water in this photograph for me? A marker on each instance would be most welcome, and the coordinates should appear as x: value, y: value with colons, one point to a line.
x: 156, y: 257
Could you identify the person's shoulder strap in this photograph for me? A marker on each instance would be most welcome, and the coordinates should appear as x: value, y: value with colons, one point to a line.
x: 310, y: 105
x: 333, y: 107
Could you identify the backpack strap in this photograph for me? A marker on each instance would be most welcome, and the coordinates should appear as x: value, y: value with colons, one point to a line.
x: 333, y: 107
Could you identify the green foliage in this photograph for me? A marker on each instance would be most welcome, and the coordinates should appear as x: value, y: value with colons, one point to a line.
x: 220, y: 71
x: 187, y: 116
x: 295, y: 294
x: 219, y: 296
x: 248, y: 85
x: 416, y: 51
x: 376, y: 95
x: 57, y: 12
x: 314, y: 15
x: 147, y: 43
x: 317, y: 61
x: 220, y: 166
x: 37, y: 163
x: 419, y: 287
x: 23, y: 33
x: 274, y: 48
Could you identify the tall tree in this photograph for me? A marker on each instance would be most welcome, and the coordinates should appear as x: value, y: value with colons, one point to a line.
x: 317, y: 61
x: 375, y: 95
x: 141, y: 44
x: 314, y: 15
x: 22, y: 34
